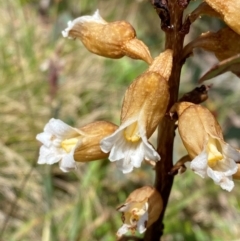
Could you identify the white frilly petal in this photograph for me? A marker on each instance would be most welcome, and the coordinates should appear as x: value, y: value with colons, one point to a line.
x: 227, y: 184
x: 67, y: 163
x: 44, y: 138
x: 48, y: 156
x: 96, y: 17
x: 123, y: 230
x: 124, y: 165
x: 60, y: 129
x: 128, y: 154
x: 219, y: 178
x: 226, y: 166
x: 199, y: 164
x: 222, y: 171
x: 149, y: 151
x: 230, y: 152
x: 141, y: 224
x: 55, y: 131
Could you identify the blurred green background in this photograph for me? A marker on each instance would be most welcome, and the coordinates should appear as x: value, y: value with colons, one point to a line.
x: 43, y: 75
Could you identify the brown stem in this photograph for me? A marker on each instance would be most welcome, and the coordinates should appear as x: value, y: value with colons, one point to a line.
x: 164, y: 181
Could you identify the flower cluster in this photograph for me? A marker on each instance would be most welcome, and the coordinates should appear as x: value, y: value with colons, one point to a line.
x: 144, y: 107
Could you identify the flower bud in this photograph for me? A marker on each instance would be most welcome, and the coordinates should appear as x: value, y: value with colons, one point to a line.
x: 67, y: 145
x: 202, y: 136
x: 141, y: 209
x: 144, y: 106
x: 229, y: 11
x: 112, y: 40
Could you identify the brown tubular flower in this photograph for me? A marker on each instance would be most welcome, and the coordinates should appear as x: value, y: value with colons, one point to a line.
x: 202, y: 136
x: 112, y: 40
x: 89, y: 146
x: 141, y: 209
x: 229, y: 11
x: 144, y: 106
x: 224, y: 44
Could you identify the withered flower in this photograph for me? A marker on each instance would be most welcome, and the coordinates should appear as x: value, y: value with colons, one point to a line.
x: 112, y: 40
x: 141, y: 209
x: 67, y: 145
x: 202, y: 136
x: 144, y: 106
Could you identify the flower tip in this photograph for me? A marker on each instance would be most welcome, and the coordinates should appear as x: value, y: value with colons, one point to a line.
x: 65, y: 33
x: 228, y: 186
x: 136, y: 49
x: 162, y: 64
x: 96, y: 17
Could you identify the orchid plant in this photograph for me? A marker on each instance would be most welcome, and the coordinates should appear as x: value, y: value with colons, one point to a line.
x: 151, y: 101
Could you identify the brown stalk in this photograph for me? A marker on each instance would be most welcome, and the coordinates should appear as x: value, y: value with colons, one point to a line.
x: 163, y: 182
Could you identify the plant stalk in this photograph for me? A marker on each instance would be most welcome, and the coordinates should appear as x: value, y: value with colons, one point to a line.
x: 163, y: 182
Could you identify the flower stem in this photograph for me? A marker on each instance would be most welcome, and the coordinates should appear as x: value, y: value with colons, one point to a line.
x: 174, y: 40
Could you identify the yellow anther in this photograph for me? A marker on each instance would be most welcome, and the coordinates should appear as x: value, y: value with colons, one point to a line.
x: 214, y: 155
x: 69, y: 144
x: 131, y: 133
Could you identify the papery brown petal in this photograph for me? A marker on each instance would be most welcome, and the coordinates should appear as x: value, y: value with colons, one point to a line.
x: 104, y: 39
x: 140, y: 194
x: 147, y: 97
x: 89, y: 148
x: 224, y: 44
x: 162, y: 64
x: 229, y: 11
x: 98, y: 128
x: 194, y: 125
x: 179, y: 107
x: 136, y: 49
x: 155, y: 207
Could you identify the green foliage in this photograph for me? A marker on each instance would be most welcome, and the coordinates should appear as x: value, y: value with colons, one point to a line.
x: 45, y: 76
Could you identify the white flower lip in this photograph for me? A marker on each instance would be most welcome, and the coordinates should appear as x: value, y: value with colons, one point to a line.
x: 223, y: 171
x: 96, y: 17
x: 128, y: 154
x: 55, y: 131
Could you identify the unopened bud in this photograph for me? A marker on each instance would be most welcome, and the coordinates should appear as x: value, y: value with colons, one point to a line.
x: 112, y: 40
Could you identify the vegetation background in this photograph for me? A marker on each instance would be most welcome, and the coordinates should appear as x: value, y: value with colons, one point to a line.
x: 43, y: 75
